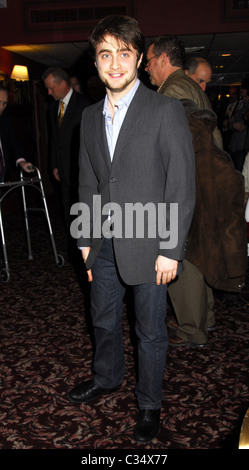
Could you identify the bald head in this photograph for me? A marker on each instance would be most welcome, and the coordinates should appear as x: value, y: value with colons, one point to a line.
x: 199, y: 70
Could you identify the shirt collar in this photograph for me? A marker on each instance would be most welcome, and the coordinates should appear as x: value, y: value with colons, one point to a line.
x: 67, y: 97
x: 124, y: 101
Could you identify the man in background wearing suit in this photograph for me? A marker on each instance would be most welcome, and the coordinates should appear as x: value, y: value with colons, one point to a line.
x: 64, y: 117
x: 136, y: 148
x: 10, y: 149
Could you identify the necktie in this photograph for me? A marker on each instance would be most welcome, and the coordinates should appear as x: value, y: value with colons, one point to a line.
x: 2, y: 166
x: 61, y: 112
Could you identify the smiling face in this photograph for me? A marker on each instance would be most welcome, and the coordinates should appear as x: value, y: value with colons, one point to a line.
x: 117, y: 65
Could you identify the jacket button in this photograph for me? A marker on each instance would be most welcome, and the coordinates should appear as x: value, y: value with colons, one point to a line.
x: 113, y: 179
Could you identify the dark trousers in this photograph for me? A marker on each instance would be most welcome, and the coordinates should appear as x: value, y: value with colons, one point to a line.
x: 107, y: 293
x: 238, y: 159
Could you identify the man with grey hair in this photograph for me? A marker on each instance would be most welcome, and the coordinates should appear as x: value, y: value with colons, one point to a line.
x: 193, y: 308
x: 165, y: 66
x: 64, y: 117
x: 200, y: 70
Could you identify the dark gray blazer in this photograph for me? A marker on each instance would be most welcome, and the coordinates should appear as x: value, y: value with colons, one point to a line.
x: 65, y: 141
x: 153, y: 163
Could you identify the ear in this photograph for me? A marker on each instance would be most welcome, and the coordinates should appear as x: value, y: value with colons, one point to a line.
x: 140, y: 60
x: 163, y: 59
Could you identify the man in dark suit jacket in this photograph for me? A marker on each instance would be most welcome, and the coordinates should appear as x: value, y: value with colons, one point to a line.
x: 64, y: 134
x: 136, y: 149
x: 10, y: 148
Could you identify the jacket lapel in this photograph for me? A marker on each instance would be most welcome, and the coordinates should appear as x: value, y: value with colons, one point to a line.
x: 100, y: 135
x: 131, y: 118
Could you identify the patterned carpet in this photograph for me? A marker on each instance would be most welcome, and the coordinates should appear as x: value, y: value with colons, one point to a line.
x: 46, y: 348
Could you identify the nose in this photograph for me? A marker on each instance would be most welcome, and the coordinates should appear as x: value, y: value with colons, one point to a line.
x: 147, y: 66
x: 115, y: 62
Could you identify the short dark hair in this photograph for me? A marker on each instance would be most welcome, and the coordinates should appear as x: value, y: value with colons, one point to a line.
x: 173, y: 47
x: 193, y: 62
x: 123, y: 28
x: 58, y: 74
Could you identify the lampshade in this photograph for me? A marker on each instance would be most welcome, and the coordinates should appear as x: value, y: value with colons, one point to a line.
x: 20, y: 73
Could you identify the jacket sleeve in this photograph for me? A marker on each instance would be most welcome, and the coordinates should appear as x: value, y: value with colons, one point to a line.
x: 179, y: 160
x: 88, y: 186
x: 234, y: 239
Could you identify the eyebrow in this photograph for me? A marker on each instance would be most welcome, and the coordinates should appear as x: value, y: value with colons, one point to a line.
x: 123, y: 49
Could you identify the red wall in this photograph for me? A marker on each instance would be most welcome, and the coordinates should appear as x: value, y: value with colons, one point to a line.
x: 158, y: 17
x: 155, y: 17
x: 9, y: 59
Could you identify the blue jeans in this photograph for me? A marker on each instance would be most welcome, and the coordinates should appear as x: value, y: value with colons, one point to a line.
x: 107, y: 293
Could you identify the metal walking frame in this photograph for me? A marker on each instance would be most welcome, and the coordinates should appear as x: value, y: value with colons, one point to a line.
x: 34, y: 182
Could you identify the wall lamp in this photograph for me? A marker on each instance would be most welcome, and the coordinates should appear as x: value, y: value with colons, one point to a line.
x: 20, y: 73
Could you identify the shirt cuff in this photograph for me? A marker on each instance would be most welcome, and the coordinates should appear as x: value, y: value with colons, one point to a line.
x: 20, y: 160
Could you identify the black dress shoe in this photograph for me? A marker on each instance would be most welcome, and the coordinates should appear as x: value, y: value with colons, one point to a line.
x: 87, y: 391
x: 148, y: 426
x: 178, y: 342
